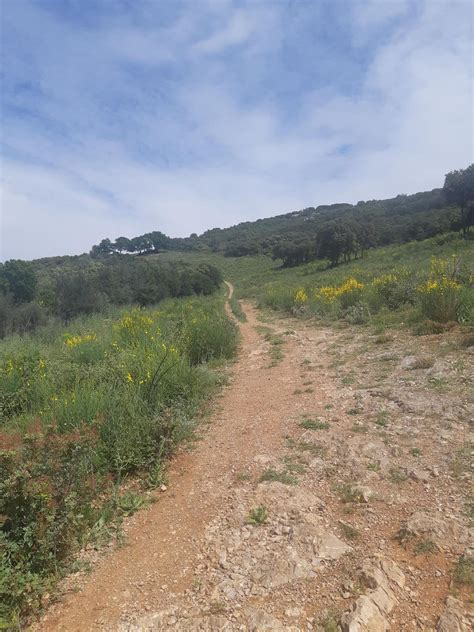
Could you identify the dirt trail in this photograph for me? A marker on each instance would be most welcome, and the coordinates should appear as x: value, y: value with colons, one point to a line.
x: 329, y: 508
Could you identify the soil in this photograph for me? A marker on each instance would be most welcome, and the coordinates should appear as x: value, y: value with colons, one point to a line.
x: 329, y: 490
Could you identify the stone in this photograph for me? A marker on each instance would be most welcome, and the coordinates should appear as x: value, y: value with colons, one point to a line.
x: 454, y: 617
x: 364, y: 617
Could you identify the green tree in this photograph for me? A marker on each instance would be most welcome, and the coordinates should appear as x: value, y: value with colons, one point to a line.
x: 19, y: 279
x: 459, y: 190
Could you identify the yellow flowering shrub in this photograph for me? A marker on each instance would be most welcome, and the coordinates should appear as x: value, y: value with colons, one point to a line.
x: 439, y: 295
x: 301, y: 297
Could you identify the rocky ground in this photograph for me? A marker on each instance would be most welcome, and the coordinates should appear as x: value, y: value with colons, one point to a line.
x: 331, y: 491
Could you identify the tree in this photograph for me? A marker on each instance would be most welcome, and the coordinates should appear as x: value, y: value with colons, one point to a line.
x: 19, y: 279
x: 459, y: 190
x: 122, y: 244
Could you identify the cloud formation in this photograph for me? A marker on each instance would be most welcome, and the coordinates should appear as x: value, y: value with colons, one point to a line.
x: 126, y: 117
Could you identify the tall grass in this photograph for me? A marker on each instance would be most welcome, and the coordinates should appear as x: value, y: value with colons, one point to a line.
x: 80, y: 410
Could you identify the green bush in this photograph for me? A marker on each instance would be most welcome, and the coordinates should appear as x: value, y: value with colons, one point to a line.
x: 81, y: 410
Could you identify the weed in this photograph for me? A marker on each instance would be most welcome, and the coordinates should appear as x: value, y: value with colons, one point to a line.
x: 382, y: 418
x: 354, y: 411
x: 349, y: 493
x: 295, y: 464
x: 461, y: 461
x: 314, y: 424
x: 131, y: 502
x: 373, y: 466
x: 281, y: 476
x: 328, y: 407
x: 397, y: 475
x: 243, y: 476
x: 464, y: 571
x: 425, y: 547
x: 237, y: 310
x: 416, y: 452
x: 258, y: 515
x: 306, y: 446
x: 347, y: 380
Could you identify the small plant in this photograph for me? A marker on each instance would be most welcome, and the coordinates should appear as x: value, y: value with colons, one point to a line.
x: 237, y: 310
x: 328, y: 407
x: 382, y: 418
x: 243, y: 476
x: 349, y: 493
x: 354, y: 411
x: 295, y: 464
x: 280, y: 476
x: 416, y: 452
x: 461, y: 461
x: 347, y: 380
x: 464, y: 571
x: 374, y: 466
x: 130, y: 502
x: 306, y: 446
x: 297, y: 391
x: 258, y: 515
x: 397, y: 475
x: 425, y: 547
x: 314, y: 424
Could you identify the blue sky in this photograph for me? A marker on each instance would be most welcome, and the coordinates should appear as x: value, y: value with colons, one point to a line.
x: 124, y: 116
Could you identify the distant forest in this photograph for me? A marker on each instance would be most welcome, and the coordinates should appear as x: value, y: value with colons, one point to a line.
x: 337, y: 232
x: 33, y: 293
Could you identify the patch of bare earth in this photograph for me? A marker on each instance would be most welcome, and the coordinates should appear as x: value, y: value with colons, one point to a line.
x: 331, y: 491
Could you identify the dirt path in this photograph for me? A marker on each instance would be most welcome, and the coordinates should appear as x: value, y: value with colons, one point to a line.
x: 288, y: 446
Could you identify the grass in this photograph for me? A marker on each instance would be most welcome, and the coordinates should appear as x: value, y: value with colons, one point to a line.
x: 464, y: 571
x: 314, y: 424
x: 425, y: 547
x: 280, y: 476
x: 460, y: 463
x: 84, y: 408
x: 306, y: 446
x: 397, y: 475
x: 382, y: 419
x: 237, y: 310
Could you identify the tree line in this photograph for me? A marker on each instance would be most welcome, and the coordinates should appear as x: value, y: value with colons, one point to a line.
x: 336, y: 232
x: 64, y: 287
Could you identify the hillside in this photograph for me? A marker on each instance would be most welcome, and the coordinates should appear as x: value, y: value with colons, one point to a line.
x: 395, y: 220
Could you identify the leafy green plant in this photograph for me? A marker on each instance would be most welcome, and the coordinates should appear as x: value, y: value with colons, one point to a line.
x: 258, y: 515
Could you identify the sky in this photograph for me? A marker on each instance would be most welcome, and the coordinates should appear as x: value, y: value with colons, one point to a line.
x: 120, y: 117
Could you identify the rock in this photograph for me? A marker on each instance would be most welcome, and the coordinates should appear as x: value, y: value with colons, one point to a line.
x: 364, y: 617
x: 408, y: 362
x: 383, y: 599
x: 444, y: 532
x: 420, y: 475
x: 454, y: 617
x: 258, y: 620
x: 393, y: 572
x: 327, y: 546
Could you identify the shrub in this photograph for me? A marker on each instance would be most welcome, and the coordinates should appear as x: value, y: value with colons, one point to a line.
x: 440, y: 295
x: 80, y: 410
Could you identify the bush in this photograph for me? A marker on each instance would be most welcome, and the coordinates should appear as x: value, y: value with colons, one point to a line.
x: 79, y: 411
